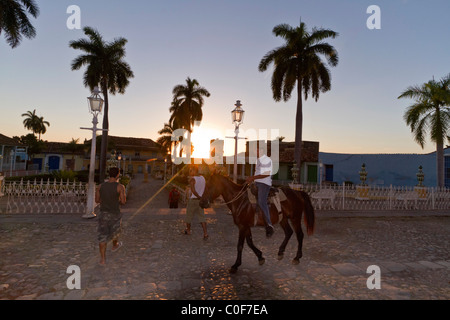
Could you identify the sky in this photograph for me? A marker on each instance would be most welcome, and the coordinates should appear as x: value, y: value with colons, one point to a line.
x: 220, y: 43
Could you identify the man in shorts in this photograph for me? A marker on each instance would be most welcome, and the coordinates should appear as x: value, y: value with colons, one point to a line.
x: 110, y: 195
x: 197, y: 184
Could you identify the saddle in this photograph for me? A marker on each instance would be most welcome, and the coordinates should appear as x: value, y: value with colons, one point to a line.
x: 276, y: 196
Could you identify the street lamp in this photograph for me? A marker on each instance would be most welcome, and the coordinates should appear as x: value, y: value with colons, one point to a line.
x: 95, y: 103
x: 237, y: 116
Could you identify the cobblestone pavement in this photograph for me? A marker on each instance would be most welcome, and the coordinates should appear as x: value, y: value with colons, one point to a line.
x: 158, y: 262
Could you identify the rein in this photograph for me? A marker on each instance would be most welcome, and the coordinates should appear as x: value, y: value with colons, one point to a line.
x: 240, y: 194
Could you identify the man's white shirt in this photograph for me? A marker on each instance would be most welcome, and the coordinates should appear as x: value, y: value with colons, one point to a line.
x: 264, y: 167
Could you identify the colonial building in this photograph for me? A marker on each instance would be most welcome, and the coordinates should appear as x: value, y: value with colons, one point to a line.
x: 13, y: 155
x: 59, y: 156
x: 135, y: 155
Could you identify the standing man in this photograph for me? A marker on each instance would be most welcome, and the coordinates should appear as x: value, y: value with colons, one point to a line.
x: 110, y: 195
x: 263, y: 181
x: 197, y: 184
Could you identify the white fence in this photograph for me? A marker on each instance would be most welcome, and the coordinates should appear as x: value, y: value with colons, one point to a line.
x: 344, y: 197
x: 44, y: 197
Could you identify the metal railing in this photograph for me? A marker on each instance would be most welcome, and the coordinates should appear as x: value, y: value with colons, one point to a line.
x: 345, y: 197
x: 44, y: 196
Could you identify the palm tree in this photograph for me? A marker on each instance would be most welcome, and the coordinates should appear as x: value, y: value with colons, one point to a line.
x: 34, y: 123
x: 41, y: 129
x: 165, y: 140
x: 187, y: 104
x: 105, y: 67
x: 31, y: 121
x: 430, y: 114
x: 298, y: 62
x: 14, y: 20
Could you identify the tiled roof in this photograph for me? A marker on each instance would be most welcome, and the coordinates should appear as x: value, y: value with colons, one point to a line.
x: 59, y: 148
x: 7, y: 141
x: 134, y: 143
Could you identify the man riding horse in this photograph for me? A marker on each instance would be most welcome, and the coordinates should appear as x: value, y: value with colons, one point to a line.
x: 263, y: 182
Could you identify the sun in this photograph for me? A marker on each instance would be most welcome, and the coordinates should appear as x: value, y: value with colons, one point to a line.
x: 201, y: 140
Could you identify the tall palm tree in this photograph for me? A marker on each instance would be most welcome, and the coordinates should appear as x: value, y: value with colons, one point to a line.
x: 187, y: 104
x: 430, y: 114
x: 298, y: 62
x: 14, y: 20
x: 35, y: 123
x: 105, y: 67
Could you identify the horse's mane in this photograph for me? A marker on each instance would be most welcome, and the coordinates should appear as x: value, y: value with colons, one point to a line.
x: 229, y: 181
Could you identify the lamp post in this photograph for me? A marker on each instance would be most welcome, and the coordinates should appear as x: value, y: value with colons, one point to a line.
x: 95, y: 107
x: 12, y: 163
x: 237, y: 116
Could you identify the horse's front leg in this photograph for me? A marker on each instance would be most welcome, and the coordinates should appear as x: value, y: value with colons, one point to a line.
x: 258, y: 252
x: 240, y: 246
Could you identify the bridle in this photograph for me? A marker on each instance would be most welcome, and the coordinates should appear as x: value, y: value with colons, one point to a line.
x: 239, y: 194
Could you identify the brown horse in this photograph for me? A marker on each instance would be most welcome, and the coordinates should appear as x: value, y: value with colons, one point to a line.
x: 237, y: 200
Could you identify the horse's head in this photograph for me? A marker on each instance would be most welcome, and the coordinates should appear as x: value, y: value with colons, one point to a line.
x: 213, y: 190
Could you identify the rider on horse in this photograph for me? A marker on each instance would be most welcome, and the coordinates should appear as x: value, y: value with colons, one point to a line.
x: 263, y: 181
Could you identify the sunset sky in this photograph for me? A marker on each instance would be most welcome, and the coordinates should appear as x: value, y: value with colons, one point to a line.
x: 220, y: 43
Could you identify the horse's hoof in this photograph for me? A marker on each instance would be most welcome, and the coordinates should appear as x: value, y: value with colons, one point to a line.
x: 280, y: 257
x: 262, y: 261
x: 296, y: 262
x: 233, y: 270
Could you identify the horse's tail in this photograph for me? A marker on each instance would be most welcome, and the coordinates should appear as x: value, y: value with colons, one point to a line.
x: 309, y: 216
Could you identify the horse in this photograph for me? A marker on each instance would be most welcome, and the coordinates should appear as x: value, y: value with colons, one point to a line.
x: 237, y: 200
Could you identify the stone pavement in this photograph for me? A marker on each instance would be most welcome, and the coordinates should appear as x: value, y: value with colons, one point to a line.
x: 158, y: 262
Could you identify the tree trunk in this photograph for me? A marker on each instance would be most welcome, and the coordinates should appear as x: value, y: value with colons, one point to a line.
x: 440, y: 164
x: 104, y: 146
x: 299, y: 130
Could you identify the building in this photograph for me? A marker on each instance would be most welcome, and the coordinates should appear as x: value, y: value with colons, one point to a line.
x: 137, y: 155
x: 134, y: 155
x: 59, y: 156
x: 383, y: 169
x: 13, y: 155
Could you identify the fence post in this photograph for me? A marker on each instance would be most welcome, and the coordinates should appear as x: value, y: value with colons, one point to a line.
x: 390, y: 197
x: 432, y: 197
x: 343, y: 195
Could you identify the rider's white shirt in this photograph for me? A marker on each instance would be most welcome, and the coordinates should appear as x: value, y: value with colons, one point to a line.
x: 264, y: 167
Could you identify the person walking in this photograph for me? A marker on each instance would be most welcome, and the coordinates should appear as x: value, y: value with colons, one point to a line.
x: 197, y: 185
x: 110, y: 195
x: 263, y: 181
